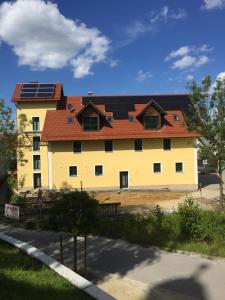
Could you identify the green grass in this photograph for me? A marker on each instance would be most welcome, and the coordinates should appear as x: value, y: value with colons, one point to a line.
x: 23, y: 278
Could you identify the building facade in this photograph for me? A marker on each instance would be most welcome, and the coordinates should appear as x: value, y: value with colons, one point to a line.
x: 105, y: 142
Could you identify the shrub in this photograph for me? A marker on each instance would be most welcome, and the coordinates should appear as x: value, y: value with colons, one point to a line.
x: 189, y: 220
x: 75, y: 212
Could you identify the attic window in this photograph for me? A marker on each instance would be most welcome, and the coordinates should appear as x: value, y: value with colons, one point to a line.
x: 69, y: 120
x: 176, y: 118
x: 91, y: 123
x: 131, y: 118
x: 152, y: 122
x: 109, y: 119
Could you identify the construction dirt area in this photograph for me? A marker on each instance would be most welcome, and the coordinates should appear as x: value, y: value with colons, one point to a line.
x: 144, y: 199
x: 139, y: 201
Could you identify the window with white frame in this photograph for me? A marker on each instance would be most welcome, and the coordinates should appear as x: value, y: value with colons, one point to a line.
x: 73, y: 171
x: 98, y: 170
x: 36, y: 123
x: 157, y: 167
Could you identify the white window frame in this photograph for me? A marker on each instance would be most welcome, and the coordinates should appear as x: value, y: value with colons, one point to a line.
x: 102, y: 170
x: 35, y: 136
x: 33, y: 162
x: 39, y: 123
x: 179, y: 162
x: 33, y: 179
x: 157, y: 162
x: 69, y: 170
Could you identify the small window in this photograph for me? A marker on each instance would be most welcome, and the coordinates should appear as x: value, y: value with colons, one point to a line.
x: 108, y: 146
x: 138, y: 145
x: 36, y: 143
x: 176, y: 118
x: 37, y: 180
x: 73, y: 171
x: 36, y: 162
x: 110, y: 119
x: 167, y: 144
x: 76, y: 146
x: 131, y: 118
x: 179, y: 167
x: 69, y: 120
x: 157, y: 167
x: 98, y: 170
x: 152, y: 122
x: 36, y: 123
x: 90, y: 123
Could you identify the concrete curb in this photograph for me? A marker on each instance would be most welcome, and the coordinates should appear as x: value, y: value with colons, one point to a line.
x: 74, y: 278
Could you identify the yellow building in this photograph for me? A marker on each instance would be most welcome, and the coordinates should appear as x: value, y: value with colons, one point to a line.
x: 105, y: 142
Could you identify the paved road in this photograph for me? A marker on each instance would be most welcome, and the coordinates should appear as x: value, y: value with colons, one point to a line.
x: 179, y: 276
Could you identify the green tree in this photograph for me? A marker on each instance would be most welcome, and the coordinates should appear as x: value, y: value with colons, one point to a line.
x: 76, y: 213
x: 208, y: 118
x: 7, y: 138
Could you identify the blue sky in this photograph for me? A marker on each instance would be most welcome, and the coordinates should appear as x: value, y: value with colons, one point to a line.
x: 111, y: 47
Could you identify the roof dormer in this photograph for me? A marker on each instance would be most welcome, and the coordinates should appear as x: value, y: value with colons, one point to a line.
x: 90, y: 117
x: 152, y: 115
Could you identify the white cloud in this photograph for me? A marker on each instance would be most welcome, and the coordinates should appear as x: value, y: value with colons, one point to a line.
x: 189, y: 57
x: 150, y: 24
x: 179, y: 52
x: 202, y: 60
x: 220, y: 76
x: 143, y: 75
x: 189, y: 77
x: 213, y: 4
x: 165, y: 13
x: 43, y: 38
x: 184, y: 62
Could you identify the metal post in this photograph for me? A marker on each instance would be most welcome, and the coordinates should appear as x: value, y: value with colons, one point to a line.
x: 81, y: 186
x: 61, y: 248
x: 200, y: 187
x: 85, y: 253
x: 75, y: 253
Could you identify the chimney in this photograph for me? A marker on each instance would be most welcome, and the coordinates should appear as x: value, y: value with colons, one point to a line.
x: 90, y: 93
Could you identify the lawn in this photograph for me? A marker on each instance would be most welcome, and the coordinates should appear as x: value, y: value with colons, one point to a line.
x: 22, y: 277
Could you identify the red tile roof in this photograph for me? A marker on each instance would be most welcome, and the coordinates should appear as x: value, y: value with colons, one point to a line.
x: 57, y: 129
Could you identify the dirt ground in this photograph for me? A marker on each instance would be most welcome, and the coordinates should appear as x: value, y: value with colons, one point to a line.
x: 138, y: 198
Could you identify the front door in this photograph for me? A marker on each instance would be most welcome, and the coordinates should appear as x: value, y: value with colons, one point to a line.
x: 123, y: 180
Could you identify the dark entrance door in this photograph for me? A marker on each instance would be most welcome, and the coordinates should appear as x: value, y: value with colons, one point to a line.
x: 123, y: 180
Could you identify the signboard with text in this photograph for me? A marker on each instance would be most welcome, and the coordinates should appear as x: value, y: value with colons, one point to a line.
x: 12, y: 211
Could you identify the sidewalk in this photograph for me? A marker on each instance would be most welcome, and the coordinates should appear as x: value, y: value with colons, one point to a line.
x: 133, y: 272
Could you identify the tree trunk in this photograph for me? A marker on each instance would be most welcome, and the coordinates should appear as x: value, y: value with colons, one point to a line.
x: 221, y: 185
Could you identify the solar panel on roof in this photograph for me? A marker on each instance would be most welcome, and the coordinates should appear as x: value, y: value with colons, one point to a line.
x: 121, y: 105
x: 37, y: 90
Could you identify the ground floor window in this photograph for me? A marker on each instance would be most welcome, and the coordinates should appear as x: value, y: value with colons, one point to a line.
x: 179, y: 167
x: 157, y: 167
x: 37, y: 180
x: 98, y: 170
x: 73, y: 171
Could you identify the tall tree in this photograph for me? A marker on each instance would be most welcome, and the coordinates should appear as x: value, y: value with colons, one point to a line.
x: 7, y: 138
x: 12, y: 139
x: 208, y: 118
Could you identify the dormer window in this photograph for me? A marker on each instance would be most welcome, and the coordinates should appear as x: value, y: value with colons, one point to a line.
x: 152, y: 115
x: 91, y: 123
x: 152, y: 122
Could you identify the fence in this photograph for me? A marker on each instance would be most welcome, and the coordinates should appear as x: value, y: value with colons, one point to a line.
x: 31, y: 208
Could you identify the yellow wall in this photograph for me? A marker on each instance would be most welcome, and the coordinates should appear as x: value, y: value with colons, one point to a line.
x: 34, y: 110
x: 124, y: 158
